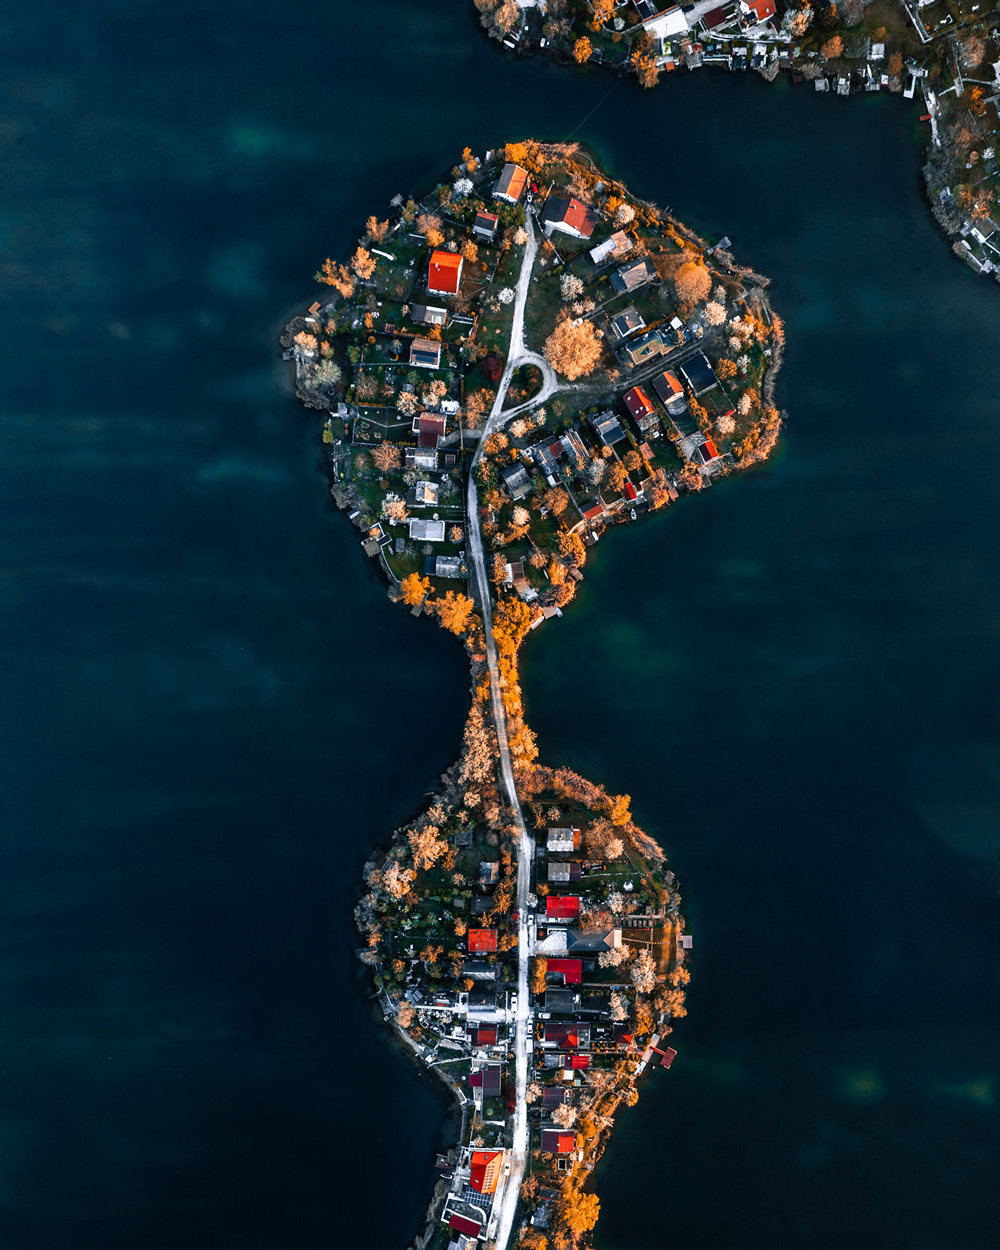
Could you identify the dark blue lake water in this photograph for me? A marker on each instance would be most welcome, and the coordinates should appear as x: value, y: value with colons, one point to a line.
x: 212, y: 714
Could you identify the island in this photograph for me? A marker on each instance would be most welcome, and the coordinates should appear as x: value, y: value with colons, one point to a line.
x: 948, y: 50
x: 502, y: 370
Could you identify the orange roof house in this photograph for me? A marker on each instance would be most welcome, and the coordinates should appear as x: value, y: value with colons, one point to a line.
x: 444, y: 275
x: 512, y: 183
x: 482, y: 941
x: 486, y: 1165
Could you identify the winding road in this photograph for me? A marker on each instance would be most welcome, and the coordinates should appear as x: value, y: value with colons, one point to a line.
x: 517, y: 355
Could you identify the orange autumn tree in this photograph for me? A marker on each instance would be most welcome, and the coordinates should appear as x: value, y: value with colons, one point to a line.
x: 582, y: 50
x: 337, y: 276
x: 573, y: 349
x: 693, y: 282
x: 453, y: 611
x: 415, y: 589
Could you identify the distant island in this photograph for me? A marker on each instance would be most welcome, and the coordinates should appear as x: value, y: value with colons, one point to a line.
x: 948, y: 50
x: 504, y: 369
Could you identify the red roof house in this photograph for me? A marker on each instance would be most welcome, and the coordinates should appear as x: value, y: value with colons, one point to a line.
x: 573, y: 1036
x: 593, y: 509
x: 761, y: 10
x: 430, y: 430
x: 512, y: 183
x: 569, y: 216
x: 577, y: 1061
x: 485, y: 1165
x: 483, y: 1036
x: 571, y: 970
x: 562, y: 907
x: 461, y: 1225
x: 482, y: 940
x: 557, y: 1141
x: 631, y: 494
x: 638, y: 402
x: 444, y: 274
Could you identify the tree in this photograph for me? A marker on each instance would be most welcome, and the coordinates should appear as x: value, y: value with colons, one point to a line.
x: 362, y: 263
x: 833, y: 48
x: 646, y: 68
x: 387, y: 456
x: 469, y: 251
x: 453, y: 611
x: 617, y: 477
x: 603, y: 10
x: 725, y: 425
x: 619, y: 1009
x: 427, y: 222
x: 573, y: 349
x: 624, y: 214
x: 498, y: 574
x: 376, y: 230
x: 555, y: 500
x: 644, y: 973
x: 564, y: 1115
x: 337, y: 276
x: 579, y: 1211
x: 895, y: 65
x: 615, y: 957
x: 726, y: 369
x: 633, y: 461
x: 715, y: 313
x: 693, y: 282
x: 415, y: 589
x: 571, y: 548
x: 539, y: 967
x: 405, y: 1014
x: 582, y: 50
x: 426, y: 846
x: 619, y: 812
x: 570, y: 287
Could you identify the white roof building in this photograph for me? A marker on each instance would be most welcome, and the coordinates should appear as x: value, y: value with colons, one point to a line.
x: 427, y: 531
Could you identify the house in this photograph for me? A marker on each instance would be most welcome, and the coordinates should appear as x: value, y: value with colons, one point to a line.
x: 426, y: 315
x: 511, y: 186
x: 481, y: 1002
x: 629, y: 491
x: 427, y: 531
x: 461, y: 1224
x: 444, y: 273
x: 638, y: 403
x: 485, y: 1167
x: 425, y: 353
x: 485, y: 225
x: 425, y: 494
x: 421, y: 458
x: 576, y: 1061
x: 550, y: 451
x: 479, y: 970
x: 699, y: 374
x: 482, y: 941
x: 564, y: 871
x: 558, y: 1141
x: 752, y: 12
x: 608, y: 428
x: 516, y: 479
x: 445, y: 566
x: 563, y: 840
x: 611, y: 249
x: 627, y: 322
x: 581, y: 943
x: 645, y: 347
x: 514, y: 574
x: 489, y: 871
x: 554, y: 1096
x: 562, y: 908
x: 593, y: 509
x: 631, y: 277
x: 487, y: 1079
x: 666, y: 25
x: 561, y: 1000
x: 568, y: 216
x: 572, y: 1036
x: 708, y: 451
x: 571, y: 970
x: 482, y: 904
x: 622, y: 1035
x: 668, y: 388
x: 430, y: 430
x: 482, y: 1035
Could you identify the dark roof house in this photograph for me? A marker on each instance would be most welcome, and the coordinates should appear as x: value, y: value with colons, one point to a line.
x: 631, y: 277
x: 485, y: 225
x: 569, y: 216
x: 699, y: 374
x: 608, y: 428
x: 425, y: 353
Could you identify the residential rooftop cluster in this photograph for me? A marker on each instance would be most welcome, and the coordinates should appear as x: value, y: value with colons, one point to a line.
x: 946, y: 52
